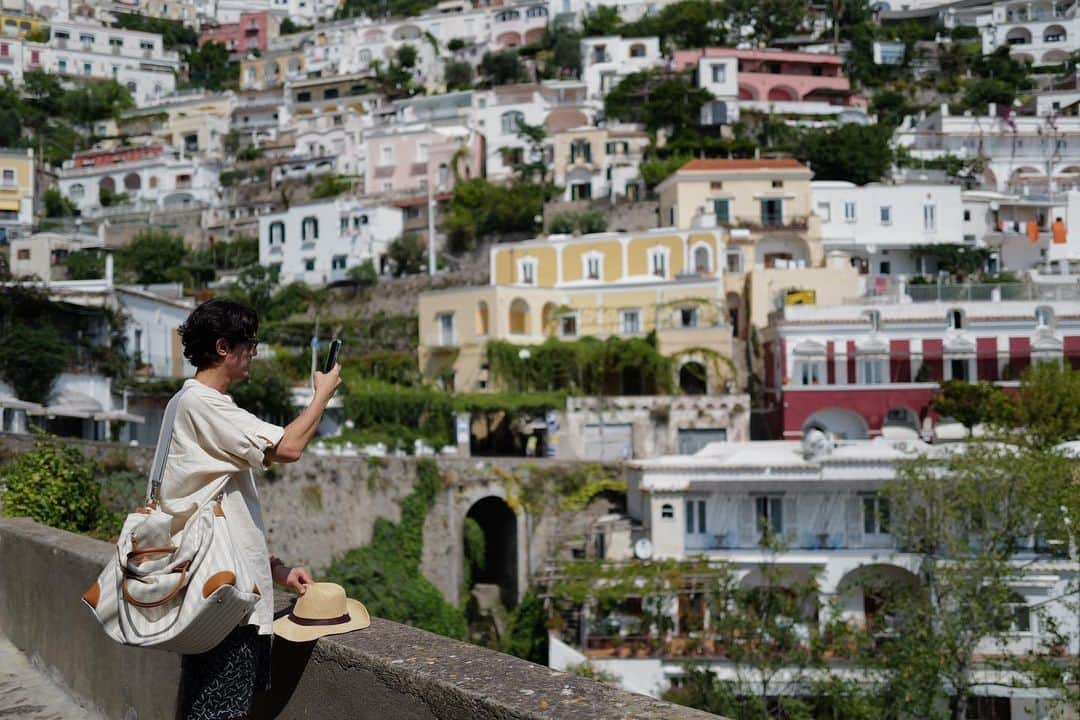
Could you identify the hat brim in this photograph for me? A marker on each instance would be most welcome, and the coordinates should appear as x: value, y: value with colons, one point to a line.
x: 288, y: 630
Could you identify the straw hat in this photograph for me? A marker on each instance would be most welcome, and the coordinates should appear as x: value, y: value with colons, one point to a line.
x: 322, y: 610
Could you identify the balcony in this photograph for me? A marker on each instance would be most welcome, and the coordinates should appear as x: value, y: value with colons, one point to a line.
x: 759, y: 224
x: 970, y: 293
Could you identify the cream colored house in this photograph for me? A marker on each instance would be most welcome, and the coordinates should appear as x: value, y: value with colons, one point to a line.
x: 16, y: 191
x: 591, y: 162
x: 626, y: 285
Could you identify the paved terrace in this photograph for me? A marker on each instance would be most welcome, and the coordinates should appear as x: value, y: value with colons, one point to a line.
x: 386, y: 672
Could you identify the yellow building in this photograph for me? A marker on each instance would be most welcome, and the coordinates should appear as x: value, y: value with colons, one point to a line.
x: 272, y: 69
x: 591, y: 162
x: 16, y: 190
x: 626, y: 285
x: 16, y: 25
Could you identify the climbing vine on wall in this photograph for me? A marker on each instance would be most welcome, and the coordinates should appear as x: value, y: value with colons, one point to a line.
x: 385, y: 574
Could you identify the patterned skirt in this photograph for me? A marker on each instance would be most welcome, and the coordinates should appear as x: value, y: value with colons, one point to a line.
x: 220, y: 684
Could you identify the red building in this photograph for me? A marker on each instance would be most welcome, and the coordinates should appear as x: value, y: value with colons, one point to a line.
x: 854, y: 369
x: 252, y: 32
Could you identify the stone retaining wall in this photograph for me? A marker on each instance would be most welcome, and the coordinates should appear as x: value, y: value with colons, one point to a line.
x: 386, y: 671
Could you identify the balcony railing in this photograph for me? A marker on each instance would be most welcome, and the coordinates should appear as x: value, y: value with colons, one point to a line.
x: 794, y: 222
x: 971, y: 293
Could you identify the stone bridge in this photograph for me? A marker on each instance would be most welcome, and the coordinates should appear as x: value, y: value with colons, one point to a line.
x: 387, y: 671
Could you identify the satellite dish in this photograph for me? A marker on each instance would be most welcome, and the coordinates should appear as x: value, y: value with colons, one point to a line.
x: 643, y: 549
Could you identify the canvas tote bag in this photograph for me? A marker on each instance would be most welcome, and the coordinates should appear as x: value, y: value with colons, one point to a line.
x: 180, y: 592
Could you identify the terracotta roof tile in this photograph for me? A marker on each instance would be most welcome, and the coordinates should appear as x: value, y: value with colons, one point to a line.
x: 745, y: 164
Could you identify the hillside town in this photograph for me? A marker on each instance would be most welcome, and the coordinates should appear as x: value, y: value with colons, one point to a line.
x: 759, y: 322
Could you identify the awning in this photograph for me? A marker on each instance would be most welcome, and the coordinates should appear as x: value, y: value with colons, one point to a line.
x: 74, y: 404
x: 120, y: 416
x: 7, y: 401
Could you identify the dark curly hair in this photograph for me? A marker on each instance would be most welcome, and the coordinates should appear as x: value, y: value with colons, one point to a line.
x: 233, y: 321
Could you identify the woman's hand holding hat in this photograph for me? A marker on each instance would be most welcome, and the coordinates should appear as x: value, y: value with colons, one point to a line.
x: 295, y: 578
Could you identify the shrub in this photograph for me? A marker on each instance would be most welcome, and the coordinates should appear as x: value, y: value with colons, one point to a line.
x: 55, y: 485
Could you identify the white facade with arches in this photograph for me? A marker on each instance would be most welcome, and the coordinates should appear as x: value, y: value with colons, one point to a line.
x: 1044, y: 32
x: 607, y: 60
x: 825, y: 501
x: 166, y: 181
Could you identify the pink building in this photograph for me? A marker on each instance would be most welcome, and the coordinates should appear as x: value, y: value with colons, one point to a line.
x: 252, y: 32
x: 781, y: 76
x: 403, y: 160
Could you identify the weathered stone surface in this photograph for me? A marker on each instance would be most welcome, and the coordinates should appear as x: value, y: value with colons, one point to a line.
x: 28, y: 693
x: 386, y: 671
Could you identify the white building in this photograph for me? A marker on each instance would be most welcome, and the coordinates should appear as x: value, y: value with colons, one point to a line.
x: 1023, y: 154
x: 137, y: 60
x: 317, y: 243
x: 41, y: 256
x: 720, y: 76
x: 1043, y: 32
x: 605, y: 61
x: 11, y: 60
x: 498, y: 114
x: 824, y: 499
x: 878, y: 224
x: 152, y: 178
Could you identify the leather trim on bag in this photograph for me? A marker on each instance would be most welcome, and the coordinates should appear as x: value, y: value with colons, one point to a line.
x: 91, y: 596
x: 218, y: 511
x: 135, y: 556
x: 217, y: 580
x: 256, y: 591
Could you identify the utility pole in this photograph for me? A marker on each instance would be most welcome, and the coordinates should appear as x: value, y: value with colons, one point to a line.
x: 430, y: 222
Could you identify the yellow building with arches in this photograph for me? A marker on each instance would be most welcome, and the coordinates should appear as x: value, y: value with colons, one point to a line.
x: 606, y: 284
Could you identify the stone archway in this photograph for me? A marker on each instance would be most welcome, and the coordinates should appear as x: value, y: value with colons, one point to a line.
x: 500, y: 557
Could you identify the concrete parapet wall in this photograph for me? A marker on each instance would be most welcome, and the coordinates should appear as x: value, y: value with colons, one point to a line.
x: 386, y: 671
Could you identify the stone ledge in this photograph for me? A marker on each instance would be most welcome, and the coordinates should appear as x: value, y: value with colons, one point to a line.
x: 386, y: 671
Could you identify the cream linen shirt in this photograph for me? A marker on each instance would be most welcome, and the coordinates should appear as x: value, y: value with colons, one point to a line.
x: 215, y: 445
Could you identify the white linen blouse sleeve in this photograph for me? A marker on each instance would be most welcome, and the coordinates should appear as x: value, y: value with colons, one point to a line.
x: 237, y: 434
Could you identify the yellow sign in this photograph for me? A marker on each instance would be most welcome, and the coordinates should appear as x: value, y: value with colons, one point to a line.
x: 801, y: 297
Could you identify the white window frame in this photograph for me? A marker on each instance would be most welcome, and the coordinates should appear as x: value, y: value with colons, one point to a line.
x: 808, y: 370
x: 508, y: 121
x: 879, y: 517
x: 587, y: 259
x: 929, y: 217
x: 872, y: 369
x: 773, y: 507
x: 696, y: 520
x: 709, y: 264
x: 849, y: 212
x: 885, y: 214
x: 738, y: 266
x: 526, y: 271
x: 442, y: 325
x: 1044, y: 317
x: 278, y: 237
x: 386, y: 155
x: 312, y: 222
x: 664, y: 254
x: 422, y: 151
x: 719, y: 72
x: 624, y: 321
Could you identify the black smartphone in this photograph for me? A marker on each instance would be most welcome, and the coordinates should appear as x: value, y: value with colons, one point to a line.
x: 331, y: 359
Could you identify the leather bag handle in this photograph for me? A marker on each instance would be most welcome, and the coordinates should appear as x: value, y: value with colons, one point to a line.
x: 156, y: 603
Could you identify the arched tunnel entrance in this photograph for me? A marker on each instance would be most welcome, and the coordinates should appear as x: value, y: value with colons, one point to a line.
x: 495, y: 563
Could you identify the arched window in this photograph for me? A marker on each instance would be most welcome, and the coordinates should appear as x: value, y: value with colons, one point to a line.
x: 593, y: 266
x: 667, y: 511
x: 1044, y: 317
x: 482, y: 318
x: 132, y: 181
x: 519, y: 317
x: 956, y: 319
x: 527, y: 271
x: 511, y: 121
x: 77, y: 191
x: 277, y: 233
x: 702, y: 259
x: 309, y: 228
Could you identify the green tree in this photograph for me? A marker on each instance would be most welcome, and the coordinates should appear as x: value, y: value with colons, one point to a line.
x: 685, y: 24
x: 31, y: 358
x: 364, y: 275
x: 978, y: 94
x: 769, y: 19
x: 859, y: 153
x: 458, y: 75
x: 331, y: 186
x: 658, y: 99
x: 210, y: 67
x: 959, y: 261
x: 95, y: 100
x: 152, y: 256
x: 972, y: 404
x: 503, y: 68
x: 54, y: 484
x: 527, y: 635
x: 56, y: 205
x: 965, y: 515
x: 408, y: 254
x: 85, y: 265
x: 479, y: 209
x: 604, y: 20
x: 173, y: 32
x: 1048, y: 405
x: 265, y: 392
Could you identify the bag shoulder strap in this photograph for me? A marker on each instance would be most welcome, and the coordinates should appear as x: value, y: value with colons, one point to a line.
x: 161, y: 453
